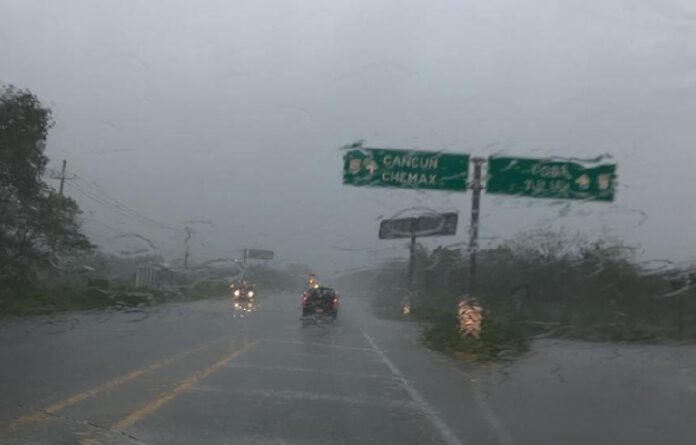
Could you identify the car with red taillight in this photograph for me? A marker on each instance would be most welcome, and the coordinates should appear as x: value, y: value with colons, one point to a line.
x: 320, y: 301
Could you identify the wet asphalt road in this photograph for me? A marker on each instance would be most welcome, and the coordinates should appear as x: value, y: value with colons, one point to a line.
x: 198, y: 373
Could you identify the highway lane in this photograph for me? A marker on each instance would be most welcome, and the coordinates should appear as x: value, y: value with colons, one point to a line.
x: 199, y: 373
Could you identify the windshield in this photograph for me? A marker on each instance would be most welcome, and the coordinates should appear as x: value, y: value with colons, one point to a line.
x: 347, y: 222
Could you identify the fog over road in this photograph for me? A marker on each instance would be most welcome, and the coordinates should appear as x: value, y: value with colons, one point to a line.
x: 198, y: 373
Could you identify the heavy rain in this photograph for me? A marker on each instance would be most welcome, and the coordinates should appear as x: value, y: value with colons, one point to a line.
x: 348, y: 222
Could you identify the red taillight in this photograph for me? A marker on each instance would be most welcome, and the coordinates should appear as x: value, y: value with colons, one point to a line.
x: 335, y: 300
x: 304, y: 297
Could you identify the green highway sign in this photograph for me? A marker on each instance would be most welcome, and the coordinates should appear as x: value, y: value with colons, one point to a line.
x: 550, y: 178
x: 379, y: 167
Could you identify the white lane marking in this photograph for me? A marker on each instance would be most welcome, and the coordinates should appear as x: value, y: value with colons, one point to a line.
x: 488, y: 413
x: 313, y: 371
x: 310, y: 396
x: 327, y: 345
x: 330, y: 356
x: 437, y: 422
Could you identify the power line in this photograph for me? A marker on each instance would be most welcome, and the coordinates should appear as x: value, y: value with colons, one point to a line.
x: 116, y: 233
x: 93, y: 191
x: 159, y: 244
x: 96, y: 190
x: 103, y: 224
x: 99, y: 200
x: 120, y: 209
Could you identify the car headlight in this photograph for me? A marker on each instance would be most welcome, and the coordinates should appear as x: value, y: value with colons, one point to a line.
x: 237, y: 306
x: 251, y: 293
x: 236, y: 293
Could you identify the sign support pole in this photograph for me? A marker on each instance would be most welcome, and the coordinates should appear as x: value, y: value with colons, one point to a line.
x: 244, y: 256
x: 473, y: 231
x: 412, y: 259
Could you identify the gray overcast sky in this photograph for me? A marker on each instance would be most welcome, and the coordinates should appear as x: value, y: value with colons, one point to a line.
x: 233, y: 112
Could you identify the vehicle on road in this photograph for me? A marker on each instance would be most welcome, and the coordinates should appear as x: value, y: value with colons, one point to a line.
x: 312, y: 282
x: 243, y: 290
x: 243, y: 307
x: 320, y: 301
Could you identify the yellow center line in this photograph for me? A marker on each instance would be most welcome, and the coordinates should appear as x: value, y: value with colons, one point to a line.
x: 52, y: 409
x: 168, y: 396
x: 92, y: 440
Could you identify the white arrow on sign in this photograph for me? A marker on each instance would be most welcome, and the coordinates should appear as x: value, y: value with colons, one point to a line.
x: 371, y: 166
x: 583, y: 182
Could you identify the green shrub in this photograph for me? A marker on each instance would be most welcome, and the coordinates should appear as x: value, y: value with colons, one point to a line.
x: 502, y: 334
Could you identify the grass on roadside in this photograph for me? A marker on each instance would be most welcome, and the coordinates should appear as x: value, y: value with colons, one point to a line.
x: 97, y: 295
x: 502, y: 334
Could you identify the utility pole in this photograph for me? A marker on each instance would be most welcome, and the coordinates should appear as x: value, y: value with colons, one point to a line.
x: 62, y: 177
x: 186, y: 253
x: 473, y: 231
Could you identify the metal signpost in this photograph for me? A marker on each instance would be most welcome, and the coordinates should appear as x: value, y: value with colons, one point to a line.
x: 257, y: 254
x: 379, y: 167
x: 476, y: 188
x: 442, y: 224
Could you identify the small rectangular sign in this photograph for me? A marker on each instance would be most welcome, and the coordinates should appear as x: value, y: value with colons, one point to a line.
x: 379, y: 167
x: 551, y: 178
x: 259, y: 254
x: 429, y: 225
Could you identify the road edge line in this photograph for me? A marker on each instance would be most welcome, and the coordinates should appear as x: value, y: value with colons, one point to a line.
x: 434, y: 418
x: 504, y: 436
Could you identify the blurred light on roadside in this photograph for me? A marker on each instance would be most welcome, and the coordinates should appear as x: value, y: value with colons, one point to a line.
x: 406, y: 305
x: 470, y: 317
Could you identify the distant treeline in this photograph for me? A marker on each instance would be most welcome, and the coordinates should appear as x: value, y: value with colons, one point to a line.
x: 99, y: 281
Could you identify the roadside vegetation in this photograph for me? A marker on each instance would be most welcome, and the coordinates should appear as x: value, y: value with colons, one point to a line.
x: 96, y: 281
x: 109, y: 287
x: 47, y: 264
x: 543, y: 282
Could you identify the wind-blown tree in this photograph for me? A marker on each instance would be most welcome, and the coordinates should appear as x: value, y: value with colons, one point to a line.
x: 36, y: 223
